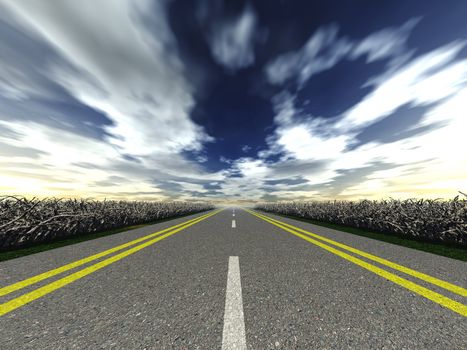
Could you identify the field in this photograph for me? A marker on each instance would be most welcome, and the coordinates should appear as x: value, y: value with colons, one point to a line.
x: 424, y: 220
x: 24, y: 222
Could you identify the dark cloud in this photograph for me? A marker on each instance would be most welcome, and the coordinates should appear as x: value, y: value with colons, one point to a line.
x: 286, y: 182
x: 351, y: 177
x: 401, y: 124
x: 112, y: 181
x: 24, y: 165
x: 212, y: 186
x: 269, y: 197
x: 34, y: 175
x: 293, y: 167
x: 9, y: 133
x: 28, y: 90
x: 7, y: 150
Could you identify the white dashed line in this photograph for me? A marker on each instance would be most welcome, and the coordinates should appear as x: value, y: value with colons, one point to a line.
x: 233, y: 335
x: 234, y: 224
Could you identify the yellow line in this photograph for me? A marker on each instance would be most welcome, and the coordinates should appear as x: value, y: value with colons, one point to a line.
x: 425, y: 292
x: 427, y: 278
x: 49, y: 288
x: 27, y: 282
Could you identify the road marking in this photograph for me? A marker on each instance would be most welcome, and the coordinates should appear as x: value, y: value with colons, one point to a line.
x: 234, y: 224
x: 233, y: 214
x: 233, y: 335
x: 420, y: 290
x: 49, y: 288
x: 35, y: 279
x: 427, y: 278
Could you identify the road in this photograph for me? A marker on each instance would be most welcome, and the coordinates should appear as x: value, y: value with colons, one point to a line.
x: 233, y: 279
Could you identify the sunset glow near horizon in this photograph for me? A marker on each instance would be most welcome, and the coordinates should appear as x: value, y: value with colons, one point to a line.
x: 233, y: 101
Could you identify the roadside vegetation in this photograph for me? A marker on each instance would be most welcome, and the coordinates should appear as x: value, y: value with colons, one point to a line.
x: 28, y: 222
x: 437, y: 226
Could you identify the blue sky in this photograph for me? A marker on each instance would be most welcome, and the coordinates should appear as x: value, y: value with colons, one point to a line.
x: 233, y: 100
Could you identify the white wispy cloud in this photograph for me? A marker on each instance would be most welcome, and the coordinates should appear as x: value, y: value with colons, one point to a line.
x: 427, y: 79
x: 321, y: 52
x: 128, y: 69
x: 385, y: 43
x: 128, y: 64
x: 423, y: 163
x: 232, y: 40
x: 125, y: 67
x: 246, y: 148
x: 324, y: 49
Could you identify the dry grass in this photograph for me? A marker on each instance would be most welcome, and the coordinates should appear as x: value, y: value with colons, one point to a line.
x: 29, y: 221
x: 426, y: 220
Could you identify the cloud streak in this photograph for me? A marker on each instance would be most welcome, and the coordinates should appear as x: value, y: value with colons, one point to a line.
x: 434, y: 82
x: 324, y: 49
x: 89, y: 108
x: 232, y: 40
x: 117, y: 68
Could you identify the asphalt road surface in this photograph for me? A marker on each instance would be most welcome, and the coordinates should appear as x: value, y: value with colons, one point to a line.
x: 233, y: 279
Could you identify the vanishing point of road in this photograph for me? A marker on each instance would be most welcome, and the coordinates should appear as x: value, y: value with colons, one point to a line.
x: 233, y: 279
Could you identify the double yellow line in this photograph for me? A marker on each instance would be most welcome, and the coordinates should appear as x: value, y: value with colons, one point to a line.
x: 416, y: 288
x: 40, y: 292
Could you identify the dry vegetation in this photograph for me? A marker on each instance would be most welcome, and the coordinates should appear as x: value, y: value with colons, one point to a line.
x: 24, y: 222
x: 429, y: 220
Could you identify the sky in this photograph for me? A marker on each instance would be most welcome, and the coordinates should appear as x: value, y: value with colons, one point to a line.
x: 237, y: 101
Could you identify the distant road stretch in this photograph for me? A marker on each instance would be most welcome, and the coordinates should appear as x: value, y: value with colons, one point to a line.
x: 233, y: 279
